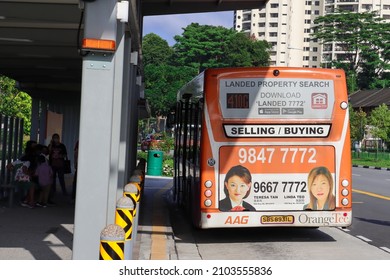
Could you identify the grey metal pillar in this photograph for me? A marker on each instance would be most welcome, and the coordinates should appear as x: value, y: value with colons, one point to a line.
x: 133, y: 110
x: 97, y: 182
x: 43, y: 123
x: 126, y: 120
x: 34, y: 119
x: 120, y: 121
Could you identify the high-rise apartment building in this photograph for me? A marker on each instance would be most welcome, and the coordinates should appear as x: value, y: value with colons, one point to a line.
x: 287, y: 24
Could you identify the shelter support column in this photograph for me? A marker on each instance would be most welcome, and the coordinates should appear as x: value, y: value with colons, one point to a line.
x: 99, y: 177
x: 34, y: 119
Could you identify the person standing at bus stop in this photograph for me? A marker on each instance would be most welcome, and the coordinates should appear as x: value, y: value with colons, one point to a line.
x: 320, y: 183
x: 57, y: 156
x: 237, y: 187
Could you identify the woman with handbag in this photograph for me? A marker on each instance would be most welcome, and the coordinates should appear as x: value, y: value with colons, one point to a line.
x: 57, y: 157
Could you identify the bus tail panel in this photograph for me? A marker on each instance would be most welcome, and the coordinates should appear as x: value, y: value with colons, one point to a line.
x: 338, y: 218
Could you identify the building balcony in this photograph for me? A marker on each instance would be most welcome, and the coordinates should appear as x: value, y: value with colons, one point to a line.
x: 351, y: 8
x: 347, y: 1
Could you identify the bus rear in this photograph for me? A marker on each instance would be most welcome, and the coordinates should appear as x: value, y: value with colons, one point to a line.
x: 274, y: 149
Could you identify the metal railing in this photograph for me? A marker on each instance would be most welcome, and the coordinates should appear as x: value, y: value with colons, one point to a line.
x: 11, y: 143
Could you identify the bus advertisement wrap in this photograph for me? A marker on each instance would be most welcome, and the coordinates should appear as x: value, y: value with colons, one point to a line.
x: 263, y: 147
x: 276, y: 98
x: 275, y: 130
x: 275, y: 177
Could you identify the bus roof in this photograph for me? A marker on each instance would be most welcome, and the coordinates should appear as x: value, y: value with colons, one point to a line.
x: 193, y: 89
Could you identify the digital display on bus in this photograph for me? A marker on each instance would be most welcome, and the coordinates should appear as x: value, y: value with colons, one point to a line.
x: 237, y: 100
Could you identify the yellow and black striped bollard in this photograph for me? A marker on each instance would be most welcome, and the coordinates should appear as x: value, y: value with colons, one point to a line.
x: 132, y: 190
x: 137, y: 180
x: 124, y: 215
x: 140, y: 174
x: 112, y: 243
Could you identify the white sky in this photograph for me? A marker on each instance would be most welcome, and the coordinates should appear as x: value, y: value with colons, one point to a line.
x: 170, y: 25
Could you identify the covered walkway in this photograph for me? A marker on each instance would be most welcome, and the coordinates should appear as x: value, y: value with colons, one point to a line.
x: 88, y: 92
x: 47, y: 233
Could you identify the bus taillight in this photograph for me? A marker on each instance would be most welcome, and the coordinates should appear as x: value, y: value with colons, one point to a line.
x: 345, y: 183
x: 208, y: 184
x: 345, y: 201
x: 345, y: 192
x: 208, y: 203
x: 208, y: 193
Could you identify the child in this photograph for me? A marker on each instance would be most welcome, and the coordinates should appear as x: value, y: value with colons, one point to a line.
x: 24, y: 169
x: 45, y: 179
x: 23, y: 180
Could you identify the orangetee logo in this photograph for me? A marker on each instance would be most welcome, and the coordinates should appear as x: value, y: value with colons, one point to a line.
x: 319, y: 100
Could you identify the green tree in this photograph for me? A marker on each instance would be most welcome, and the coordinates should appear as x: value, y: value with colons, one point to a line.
x: 242, y: 51
x: 162, y: 78
x: 364, y: 39
x: 199, y: 47
x: 155, y: 50
x: 206, y: 46
x: 381, y: 82
x: 380, y: 121
x: 376, y: 58
x: 15, y: 103
x: 358, y: 121
x: 161, y: 85
x: 202, y: 46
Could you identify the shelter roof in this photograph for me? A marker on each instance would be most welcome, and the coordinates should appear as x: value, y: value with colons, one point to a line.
x: 39, y: 39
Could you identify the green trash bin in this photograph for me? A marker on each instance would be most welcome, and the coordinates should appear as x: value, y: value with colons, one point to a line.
x: 155, y: 161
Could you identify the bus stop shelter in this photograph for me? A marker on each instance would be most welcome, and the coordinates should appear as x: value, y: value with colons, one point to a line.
x: 83, y: 61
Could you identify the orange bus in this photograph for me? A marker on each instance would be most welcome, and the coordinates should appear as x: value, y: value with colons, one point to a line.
x: 264, y: 147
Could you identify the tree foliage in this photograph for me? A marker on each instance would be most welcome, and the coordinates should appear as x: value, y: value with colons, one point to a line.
x: 380, y: 121
x: 199, y: 47
x: 156, y: 50
x: 363, y: 38
x: 202, y: 46
x: 15, y: 103
x: 162, y: 83
x: 358, y: 122
x: 206, y: 46
x: 243, y: 51
x: 162, y: 78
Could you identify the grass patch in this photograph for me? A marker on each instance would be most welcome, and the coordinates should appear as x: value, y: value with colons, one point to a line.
x: 371, y: 162
x: 380, y: 159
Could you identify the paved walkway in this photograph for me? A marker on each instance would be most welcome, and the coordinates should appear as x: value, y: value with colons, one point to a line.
x: 47, y: 233
x: 155, y: 238
x: 39, y: 233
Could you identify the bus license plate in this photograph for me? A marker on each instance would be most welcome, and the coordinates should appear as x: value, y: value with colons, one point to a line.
x: 277, y: 219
